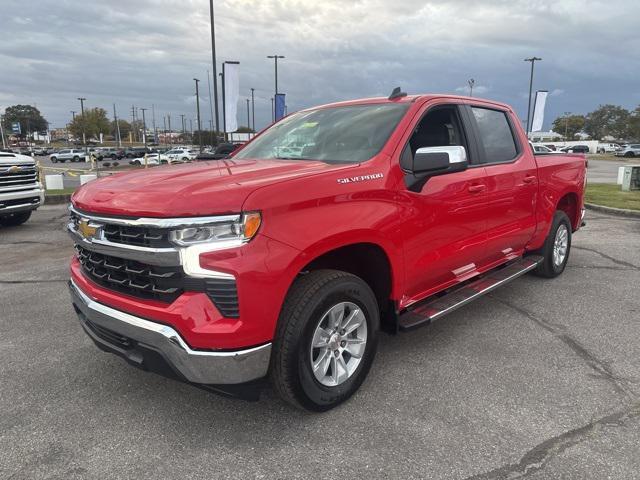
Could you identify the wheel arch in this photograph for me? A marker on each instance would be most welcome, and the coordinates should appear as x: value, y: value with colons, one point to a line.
x: 569, y: 204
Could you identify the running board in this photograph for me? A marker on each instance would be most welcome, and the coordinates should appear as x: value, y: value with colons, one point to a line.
x: 431, y: 309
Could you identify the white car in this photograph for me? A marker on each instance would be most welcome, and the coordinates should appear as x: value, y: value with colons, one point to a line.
x: 71, y: 154
x: 181, y: 155
x: 152, y: 159
x: 608, y: 148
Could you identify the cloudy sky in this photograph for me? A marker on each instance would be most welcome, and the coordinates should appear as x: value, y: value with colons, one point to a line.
x: 146, y: 52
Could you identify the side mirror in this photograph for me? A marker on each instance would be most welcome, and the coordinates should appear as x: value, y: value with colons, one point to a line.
x: 439, y: 160
x: 432, y: 161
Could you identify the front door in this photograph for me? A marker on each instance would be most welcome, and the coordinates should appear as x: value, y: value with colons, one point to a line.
x: 445, y: 227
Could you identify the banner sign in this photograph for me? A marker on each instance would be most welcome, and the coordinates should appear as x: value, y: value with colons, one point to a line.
x: 280, y: 106
x: 15, y: 128
x: 538, y: 110
x: 231, y: 96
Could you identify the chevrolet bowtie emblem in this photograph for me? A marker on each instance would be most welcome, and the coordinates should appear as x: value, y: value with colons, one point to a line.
x: 14, y: 169
x: 87, y: 231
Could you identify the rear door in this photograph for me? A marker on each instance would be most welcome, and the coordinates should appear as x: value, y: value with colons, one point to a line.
x: 512, y: 182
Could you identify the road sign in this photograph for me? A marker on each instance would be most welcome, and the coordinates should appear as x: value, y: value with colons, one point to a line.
x: 15, y: 128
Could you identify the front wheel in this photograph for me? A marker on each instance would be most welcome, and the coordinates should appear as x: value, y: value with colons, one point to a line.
x: 325, y: 341
x: 557, y: 246
x: 54, y: 160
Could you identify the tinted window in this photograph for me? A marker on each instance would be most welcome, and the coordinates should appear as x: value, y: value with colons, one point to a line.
x: 495, y: 135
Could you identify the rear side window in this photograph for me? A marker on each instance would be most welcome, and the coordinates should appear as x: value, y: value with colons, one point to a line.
x: 496, y: 136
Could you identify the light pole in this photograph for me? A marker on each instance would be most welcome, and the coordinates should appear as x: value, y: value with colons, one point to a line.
x: 566, y: 124
x: 84, y: 134
x: 183, y: 129
x: 275, y: 59
x: 213, y: 60
x: 210, y: 99
x: 144, y: 128
x: 253, y: 111
x: 170, y: 136
x: 198, y: 113
x: 533, y: 60
x: 73, y: 116
x: 272, y: 112
x: 248, y: 117
x: 115, y: 119
x: 471, y: 83
x: 224, y: 106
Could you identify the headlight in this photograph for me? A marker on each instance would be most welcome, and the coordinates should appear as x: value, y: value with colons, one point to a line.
x: 242, y: 228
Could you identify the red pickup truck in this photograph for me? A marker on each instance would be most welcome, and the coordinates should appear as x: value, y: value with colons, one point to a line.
x: 284, y: 261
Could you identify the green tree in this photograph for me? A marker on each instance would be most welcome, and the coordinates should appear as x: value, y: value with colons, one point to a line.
x: 607, y: 120
x: 633, y: 132
x: 95, y: 122
x: 29, y: 118
x: 569, y: 125
x: 242, y: 129
x: 204, y: 137
x: 125, y: 128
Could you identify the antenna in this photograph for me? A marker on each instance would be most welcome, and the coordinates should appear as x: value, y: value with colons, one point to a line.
x: 397, y: 93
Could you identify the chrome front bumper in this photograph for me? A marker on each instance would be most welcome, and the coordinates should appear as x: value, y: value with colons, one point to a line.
x: 198, y: 366
x: 15, y: 196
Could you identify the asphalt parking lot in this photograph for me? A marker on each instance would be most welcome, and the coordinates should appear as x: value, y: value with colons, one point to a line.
x: 541, y: 379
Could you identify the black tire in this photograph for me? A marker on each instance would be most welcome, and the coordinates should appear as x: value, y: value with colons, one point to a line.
x: 15, y: 219
x: 629, y: 154
x: 76, y: 159
x: 548, y: 268
x: 310, y: 297
x: 54, y: 160
x: 113, y: 156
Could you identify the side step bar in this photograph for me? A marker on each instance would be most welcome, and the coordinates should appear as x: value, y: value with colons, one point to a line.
x: 431, y: 309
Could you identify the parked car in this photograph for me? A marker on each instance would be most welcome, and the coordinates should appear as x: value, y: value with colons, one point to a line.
x: 136, y: 152
x: 575, y: 149
x: 181, y: 155
x: 607, y: 148
x: 110, y: 153
x: 631, y: 150
x: 71, y: 154
x: 551, y: 146
x: 288, y: 268
x: 221, y: 151
x: 20, y: 190
x: 151, y: 159
x: 541, y: 149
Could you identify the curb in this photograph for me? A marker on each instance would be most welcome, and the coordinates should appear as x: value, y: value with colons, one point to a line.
x: 56, y: 199
x: 621, y: 212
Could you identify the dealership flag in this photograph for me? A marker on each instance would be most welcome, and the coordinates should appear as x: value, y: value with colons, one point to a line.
x: 280, y: 106
x: 231, y: 96
x: 538, y: 110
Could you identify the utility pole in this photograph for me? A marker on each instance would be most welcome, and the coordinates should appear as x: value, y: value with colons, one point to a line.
x: 84, y: 134
x: 4, y: 142
x: 198, y: 113
x: 133, y: 122
x: 253, y: 111
x: 144, y: 128
x: 183, y: 126
x: 115, y: 119
x: 248, y: 118
x: 164, y: 130
x: 224, y: 106
x: 210, y: 99
x: 213, y: 61
x: 275, y: 59
x: 73, y: 116
x: 273, y: 115
x: 471, y: 83
x: 153, y: 120
x: 533, y: 60
x: 170, y: 136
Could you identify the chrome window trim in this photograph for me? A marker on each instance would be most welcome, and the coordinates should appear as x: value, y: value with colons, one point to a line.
x: 177, y: 222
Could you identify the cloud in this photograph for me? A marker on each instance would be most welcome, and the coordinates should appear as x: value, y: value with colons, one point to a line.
x: 147, y: 52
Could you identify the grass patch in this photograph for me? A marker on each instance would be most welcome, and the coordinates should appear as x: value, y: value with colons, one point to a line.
x: 611, y: 195
x: 64, y: 191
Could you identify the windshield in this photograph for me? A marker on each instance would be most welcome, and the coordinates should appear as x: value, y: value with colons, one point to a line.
x: 339, y: 134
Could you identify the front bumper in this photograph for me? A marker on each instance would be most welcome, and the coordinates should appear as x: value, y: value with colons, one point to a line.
x: 21, y: 200
x: 141, y: 341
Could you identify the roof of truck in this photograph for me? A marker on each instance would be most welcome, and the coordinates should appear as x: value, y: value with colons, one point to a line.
x: 408, y: 99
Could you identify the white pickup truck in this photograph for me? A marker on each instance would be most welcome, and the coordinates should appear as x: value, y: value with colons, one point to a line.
x: 20, y: 191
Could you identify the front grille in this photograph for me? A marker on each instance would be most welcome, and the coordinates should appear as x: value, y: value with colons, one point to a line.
x: 15, y: 177
x: 110, y: 336
x: 19, y: 201
x: 133, y: 278
x: 139, y: 236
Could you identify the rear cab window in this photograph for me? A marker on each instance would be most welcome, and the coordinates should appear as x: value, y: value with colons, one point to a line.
x: 496, y: 136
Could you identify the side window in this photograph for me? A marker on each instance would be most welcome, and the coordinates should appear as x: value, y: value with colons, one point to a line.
x: 440, y: 127
x: 496, y: 136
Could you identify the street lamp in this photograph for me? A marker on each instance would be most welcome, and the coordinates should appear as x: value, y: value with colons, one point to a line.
x: 471, y: 83
x: 248, y: 117
x: 144, y: 128
x: 275, y: 59
x: 84, y: 135
x: 272, y: 112
x: 198, y: 112
x: 533, y: 60
x: 253, y: 112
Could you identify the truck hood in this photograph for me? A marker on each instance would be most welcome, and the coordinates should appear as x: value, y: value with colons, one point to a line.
x: 15, y: 159
x: 193, y: 189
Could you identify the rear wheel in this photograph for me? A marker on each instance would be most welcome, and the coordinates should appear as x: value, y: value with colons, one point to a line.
x: 15, y: 219
x: 76, y: 159
x: 326, y: 340
x: 54, y: 160
x: 556, y: 248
